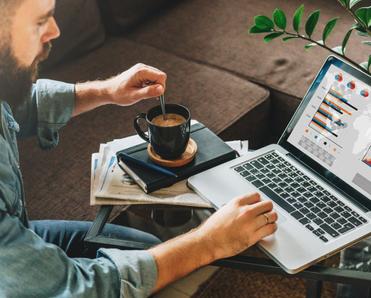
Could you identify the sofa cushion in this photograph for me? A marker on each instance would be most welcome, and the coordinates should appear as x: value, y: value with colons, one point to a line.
x: 121, y: 15
x: 81, y: 30
x: 216, y: 33
x: 216, y: 98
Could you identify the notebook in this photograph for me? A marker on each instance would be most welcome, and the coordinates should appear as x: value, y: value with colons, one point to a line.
x: 212, y: 151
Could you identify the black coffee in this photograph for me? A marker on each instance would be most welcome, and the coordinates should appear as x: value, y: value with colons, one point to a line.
x: 169, y: 120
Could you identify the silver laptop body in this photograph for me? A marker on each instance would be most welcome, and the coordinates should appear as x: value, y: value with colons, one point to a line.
x: 331, y: 120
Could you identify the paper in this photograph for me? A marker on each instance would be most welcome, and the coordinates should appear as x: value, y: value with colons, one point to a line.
x: 111, y: 186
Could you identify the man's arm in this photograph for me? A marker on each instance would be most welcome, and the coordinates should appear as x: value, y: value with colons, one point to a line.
x: 137, y: 83
x: 235, y: 227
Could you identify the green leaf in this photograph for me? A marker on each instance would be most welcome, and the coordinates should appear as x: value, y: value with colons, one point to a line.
x: 369, y: 63
x: 338, y: 50
x: 297, y: 18
x: 272, y: 36
x: 287, y: 38
x: 364, y: 14
x: 344, y: 2
x: 353, y: 2
x: 364, y: 65
x: 256, y: 30
x: 328, y: 28
x: 312, y: 22
x: 310, y: 45
x: 263, y: 22
x: 367, y: 42
x: 279, y: 18
x: 345, y: 41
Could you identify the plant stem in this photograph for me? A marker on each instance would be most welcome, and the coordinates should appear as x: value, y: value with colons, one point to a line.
x: 323, y: 46
x: 356, y: 18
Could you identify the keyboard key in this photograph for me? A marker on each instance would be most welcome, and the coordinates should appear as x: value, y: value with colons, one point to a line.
x: 257, y: 183
x: 308, y: 204
x: 323, y: 238
x: 347, y: 208
x: 285, y: 195
x: 311, y: 215
x: 239, y: 169
x: 302, y: 200
x: 314, y: 200
x: 318, y: 221
x: 327, y: 210
x: 277, y: 199
x: 318, y: 232
x: 291, y: 200
x: 297, y: 205
x: 244, y: 173
x: 341, y: 220
x: 332, y: 204
x: 329, y: 220
x: 334, y: 215
x: 329, y: 230
x: 322, y: 215
x: 364, y: 220
x: 336, y: 226
x: 266, y: 181
x: 250, y: 178
x: 346, y: 214
x: 304, y: 221
x: 315, y: 209
x: 263, y: 161
x: 257, y: 164
x: 248, y: 166
x: 297, y: 215
x: 309, y: 227
x: 304, y: 210
x: 354, y: 221
x: 321, y: 205
x: 346, y: 228
x: 339, y: 209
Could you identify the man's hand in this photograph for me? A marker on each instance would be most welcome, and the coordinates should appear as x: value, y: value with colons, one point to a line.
x: 238, y: 225
x: 232, y: 229
x: 137, y: 83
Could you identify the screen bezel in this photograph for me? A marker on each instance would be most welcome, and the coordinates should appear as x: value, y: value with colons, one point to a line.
x: 308, y: 161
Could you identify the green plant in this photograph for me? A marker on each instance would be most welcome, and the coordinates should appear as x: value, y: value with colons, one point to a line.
x: 277, y: 27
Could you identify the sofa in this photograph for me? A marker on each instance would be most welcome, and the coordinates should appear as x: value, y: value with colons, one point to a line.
x: 235, y: 84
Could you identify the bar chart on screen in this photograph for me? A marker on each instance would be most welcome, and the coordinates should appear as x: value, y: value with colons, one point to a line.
x: 333, y: 114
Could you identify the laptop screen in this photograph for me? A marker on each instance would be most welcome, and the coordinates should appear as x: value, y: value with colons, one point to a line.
x: 333, y: 125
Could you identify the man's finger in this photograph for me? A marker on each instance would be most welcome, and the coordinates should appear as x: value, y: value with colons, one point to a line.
x: 264, y: 231
x: 149, y: 92
x: 249, y: 199
x: 266, y: 218
x: 147, y: 74
x: 261, y: 207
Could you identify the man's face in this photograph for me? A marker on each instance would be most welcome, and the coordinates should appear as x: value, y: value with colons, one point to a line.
x: 24, y: 43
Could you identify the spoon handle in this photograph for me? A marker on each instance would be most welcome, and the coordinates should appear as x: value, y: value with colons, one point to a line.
x: 162, y: 103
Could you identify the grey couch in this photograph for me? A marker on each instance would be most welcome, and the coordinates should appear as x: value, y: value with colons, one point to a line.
x: 231, y: 81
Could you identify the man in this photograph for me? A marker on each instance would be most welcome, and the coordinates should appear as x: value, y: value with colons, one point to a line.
x: 44, y: 258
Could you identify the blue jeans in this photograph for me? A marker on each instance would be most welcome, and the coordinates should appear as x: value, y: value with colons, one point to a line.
x: 69, y: 235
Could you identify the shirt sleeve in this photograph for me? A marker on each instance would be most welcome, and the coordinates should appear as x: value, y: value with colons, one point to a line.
x: 138, y: 271
x: 34, y: 268
x: 49, y: 108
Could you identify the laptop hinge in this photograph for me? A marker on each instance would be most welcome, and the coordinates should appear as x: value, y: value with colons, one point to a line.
x: 354, y: 201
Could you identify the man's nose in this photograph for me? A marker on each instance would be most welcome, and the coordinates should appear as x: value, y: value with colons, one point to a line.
x: 52, y: 33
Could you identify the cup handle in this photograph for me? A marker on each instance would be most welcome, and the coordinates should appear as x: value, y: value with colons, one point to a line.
x: 137, y: 127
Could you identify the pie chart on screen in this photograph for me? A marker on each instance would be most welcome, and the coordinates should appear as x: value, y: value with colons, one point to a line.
x: 367, y: 158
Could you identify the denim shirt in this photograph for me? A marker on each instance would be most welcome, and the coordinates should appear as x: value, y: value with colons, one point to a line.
x: 29, y: 267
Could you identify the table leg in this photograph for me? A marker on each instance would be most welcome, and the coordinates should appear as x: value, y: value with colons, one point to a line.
x: 313, y: 288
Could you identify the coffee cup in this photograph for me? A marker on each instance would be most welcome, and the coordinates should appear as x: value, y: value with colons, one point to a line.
x: 167, y: 135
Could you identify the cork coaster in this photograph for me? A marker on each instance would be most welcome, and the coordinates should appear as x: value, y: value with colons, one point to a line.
x: 187, y: 157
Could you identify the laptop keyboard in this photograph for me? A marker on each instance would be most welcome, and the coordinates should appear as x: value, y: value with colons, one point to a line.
x: 309, y: 203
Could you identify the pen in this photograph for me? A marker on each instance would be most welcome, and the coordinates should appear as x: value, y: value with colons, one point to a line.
x: 150, y: 166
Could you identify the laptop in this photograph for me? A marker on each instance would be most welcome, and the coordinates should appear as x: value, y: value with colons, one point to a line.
x: 318, y: 175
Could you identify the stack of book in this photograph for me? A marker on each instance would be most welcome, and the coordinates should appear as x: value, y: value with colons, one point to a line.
x: 112, y: 175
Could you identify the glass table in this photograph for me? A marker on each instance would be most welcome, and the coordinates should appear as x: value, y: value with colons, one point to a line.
x: 167, y: 222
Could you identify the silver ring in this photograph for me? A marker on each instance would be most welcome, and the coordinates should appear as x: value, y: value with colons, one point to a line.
x: 266, y: 218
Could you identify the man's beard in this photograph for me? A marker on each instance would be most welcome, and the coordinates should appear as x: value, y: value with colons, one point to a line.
x: 16, y: 80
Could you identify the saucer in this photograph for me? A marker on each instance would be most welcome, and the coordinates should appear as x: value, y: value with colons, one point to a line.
x: 187, y: 157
